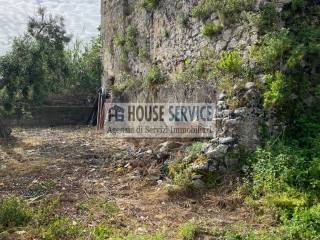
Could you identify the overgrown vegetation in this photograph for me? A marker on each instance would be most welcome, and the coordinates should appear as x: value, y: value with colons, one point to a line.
x: 184, y: 172
x: 149, y: 5
x: 154, y: 76
x: 126, y: 83
x: 84, y: 68
x: 201, y: 70
x: 14, y: 213
x: 285, y: 172
x: 128, y: 40
x: 189, y: 230
x: 211, y: 29
x: 228, y: 10
x: 144, y: 54
x: 36, y: 65
x: 227, y: 69
x: 40, y: 64
x: 283, y: 176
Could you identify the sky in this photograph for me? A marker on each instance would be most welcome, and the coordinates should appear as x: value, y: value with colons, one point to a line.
x: 82, y: 17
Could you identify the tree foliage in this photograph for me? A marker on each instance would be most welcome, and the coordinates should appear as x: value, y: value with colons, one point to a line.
x: 41, y: 64
x: 36, y: 64
x: 85, y: 67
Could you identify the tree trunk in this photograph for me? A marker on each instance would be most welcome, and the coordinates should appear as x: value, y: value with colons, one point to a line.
x: 4, y: 131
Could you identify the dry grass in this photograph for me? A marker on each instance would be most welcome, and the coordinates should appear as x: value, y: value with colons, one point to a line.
x: 81, y: 166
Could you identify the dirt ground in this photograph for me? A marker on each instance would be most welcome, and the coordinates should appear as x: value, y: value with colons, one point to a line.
x: 80, y: 165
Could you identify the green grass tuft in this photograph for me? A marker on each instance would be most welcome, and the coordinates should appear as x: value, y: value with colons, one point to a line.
x: 14, y: 212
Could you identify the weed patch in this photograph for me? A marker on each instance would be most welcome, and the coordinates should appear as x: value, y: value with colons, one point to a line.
x: 14, y: 212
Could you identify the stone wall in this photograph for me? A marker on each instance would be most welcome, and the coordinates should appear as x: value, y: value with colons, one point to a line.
x: 169, y: 44
x: 162, y: 36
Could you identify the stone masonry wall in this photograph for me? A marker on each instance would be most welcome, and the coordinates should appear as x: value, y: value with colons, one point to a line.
x: 170, y: 45
x: 166, y: 41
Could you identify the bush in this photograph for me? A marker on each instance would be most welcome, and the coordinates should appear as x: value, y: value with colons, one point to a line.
x: 149, y: 5
x: 181, y: 170
x: 46, y: 211
x: 189, y: 230
x: 127, y: 82
x: 279, y: 167
x: 269, y: 18
x: 131, y: 38
x: 230, y: 62
x: 119, y: 40
x: 211, y: 29
x: 200, y: 70
x: 143, y: 54
x: 195, y: 149
x: 285, y: 179
x: 204, y: 9
x: 14, y: 213
x: 128, y: 40
x: 154, y: 77
x: 305, y: 224
x: 273, y: 46
x: 228, y: 10
x: 61, y: 229
x: 293, y: 51
x: 276, y: 87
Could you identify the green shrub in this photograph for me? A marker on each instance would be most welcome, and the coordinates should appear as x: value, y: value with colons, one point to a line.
x: 149, y: 5
x: 204, y: 9
x: 154, y: 77
x: 189, y: 230
x: 61, y: 229
x: 119, y: 40
x: 230, y: 62
x: 285, y: 173
x: 195, y: 149
x: 269, y: 18
x: 189, y: 73
x: 101, y: 232
x: 143, y: 54
x: 14, y: 213
x: 131, y: 38
x: 128, y: 40
x: 276, y: 87
x: 273, y: 47
x: 126, y: 83
x: 201, y: 70
x: 291, y: 51
x: 285, y: 176
x: 305, y: 224
x: 211, y: 29
x: 181, y: 170
x: 183, y: 178
x: 228, y: 10
x: 46, y: 211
